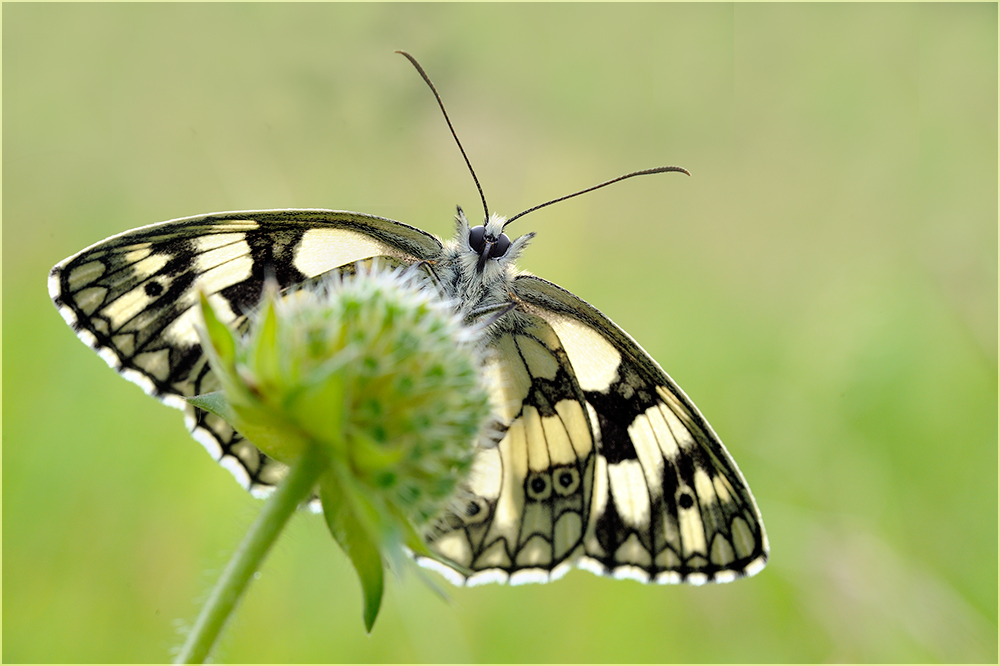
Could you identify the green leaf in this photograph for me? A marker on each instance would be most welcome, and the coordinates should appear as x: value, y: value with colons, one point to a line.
x: 218, y: 334
x: 264, y: 359
x: 319, y: 409
x: 350, y: 531
x: 215, y: 403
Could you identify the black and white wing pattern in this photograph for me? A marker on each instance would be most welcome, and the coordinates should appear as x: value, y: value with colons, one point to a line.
x: 132, y: 298
x: 605, y: 464
x: 602, y: 461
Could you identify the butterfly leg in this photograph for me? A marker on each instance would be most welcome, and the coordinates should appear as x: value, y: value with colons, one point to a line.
x: 494, y: 313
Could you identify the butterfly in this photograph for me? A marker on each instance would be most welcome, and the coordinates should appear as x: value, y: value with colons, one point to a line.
x: 600, y: 461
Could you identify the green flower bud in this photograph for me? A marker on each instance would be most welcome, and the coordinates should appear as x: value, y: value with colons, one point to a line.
x: 379, y: 375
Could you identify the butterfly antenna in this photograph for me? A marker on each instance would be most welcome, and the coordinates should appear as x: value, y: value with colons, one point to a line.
x: 427, y: 80
x: 643, y: 172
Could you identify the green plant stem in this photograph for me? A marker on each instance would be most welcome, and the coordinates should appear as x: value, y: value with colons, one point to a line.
x: 294, y: 489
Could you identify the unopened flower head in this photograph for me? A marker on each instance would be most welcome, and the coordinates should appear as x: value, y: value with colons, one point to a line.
x: 374, y: 368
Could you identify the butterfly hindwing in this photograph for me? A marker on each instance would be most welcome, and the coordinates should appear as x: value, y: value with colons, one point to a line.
x: 605, y: 464
x: 523, y: 513
x: 132, y: 297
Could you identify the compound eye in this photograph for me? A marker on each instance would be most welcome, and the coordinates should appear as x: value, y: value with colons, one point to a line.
x: 500, y: 248
x: 477, y: 238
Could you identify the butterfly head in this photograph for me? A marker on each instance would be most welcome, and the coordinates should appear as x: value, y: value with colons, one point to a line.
x: 488, y: 242
x: 485, y: 241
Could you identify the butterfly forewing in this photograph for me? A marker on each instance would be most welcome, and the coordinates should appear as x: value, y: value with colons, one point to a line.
x: 132, y: 297
x: 669, y: 502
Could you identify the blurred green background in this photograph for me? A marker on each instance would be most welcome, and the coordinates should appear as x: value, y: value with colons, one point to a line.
x: 824, y: 287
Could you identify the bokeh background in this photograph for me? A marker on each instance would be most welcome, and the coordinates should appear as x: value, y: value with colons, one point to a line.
x: 824, y: 287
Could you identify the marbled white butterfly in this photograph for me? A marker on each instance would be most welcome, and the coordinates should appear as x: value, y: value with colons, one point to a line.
x: 602, y: 461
